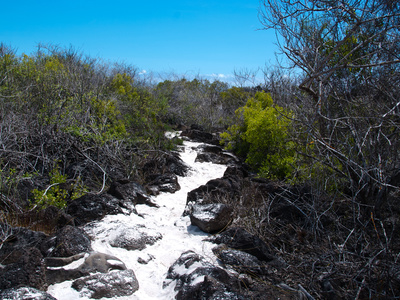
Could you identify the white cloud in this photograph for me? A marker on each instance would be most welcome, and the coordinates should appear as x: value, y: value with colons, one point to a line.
x: 220, y: 76
x: 142, y: 72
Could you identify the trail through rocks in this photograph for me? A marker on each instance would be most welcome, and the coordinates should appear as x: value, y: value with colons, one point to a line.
x: 152, y: 240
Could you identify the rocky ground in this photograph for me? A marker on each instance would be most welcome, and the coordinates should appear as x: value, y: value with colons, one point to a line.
x: 242, y: 238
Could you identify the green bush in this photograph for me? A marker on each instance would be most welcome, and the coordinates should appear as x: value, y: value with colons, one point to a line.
x: 261, y: 136
x: 56, y: 194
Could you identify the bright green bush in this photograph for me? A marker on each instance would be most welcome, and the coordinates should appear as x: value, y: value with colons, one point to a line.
x: 56, y: 194
x: 261, y: 136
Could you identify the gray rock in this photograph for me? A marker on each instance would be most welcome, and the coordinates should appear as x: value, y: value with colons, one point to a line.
x: 199, y: 135
x: 67, y: 242
x: 221, y: 159
x: 19, y: 240
x: 94, y: 207
x: 239, y: 239
x: 196, y: 278
x: 29, y: 270
x: 25, y: 293
x: 134, y: 239
x: 166, y: 163
x: 240, y: 261
x: 211, y: 217
x: 130, y: 192
x: 122, y: 235
x: 213, y: 191
x: 109, y: 285
x: 158, y: 183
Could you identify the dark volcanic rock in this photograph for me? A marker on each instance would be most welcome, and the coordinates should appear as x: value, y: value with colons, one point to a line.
x: 130, y: 192
x: 94, y: 207
x: 166, y: 163
x: 162, y: 183
x: 220, y: 159
x: 197, y: 279
x: 210, y: 149
x: 68, y: 241
x: 29, y: 270
x: 216, y: 155
x: 211, y: 217
x: 88, y: 208
x: 109, y: 285
x: 25, y: 293
x: 199, y: 135
x: 240, y: 261
x: 18, y: 241
x: 236, y: 172
x: 215, y: 190
x: 239, y: 239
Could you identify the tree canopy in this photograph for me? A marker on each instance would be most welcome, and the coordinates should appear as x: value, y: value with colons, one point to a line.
x: 348, y: 101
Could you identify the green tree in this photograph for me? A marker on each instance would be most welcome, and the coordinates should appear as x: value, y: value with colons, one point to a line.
x: 262, y: 137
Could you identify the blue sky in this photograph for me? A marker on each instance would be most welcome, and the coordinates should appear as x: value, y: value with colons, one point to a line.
x: 185, y: 37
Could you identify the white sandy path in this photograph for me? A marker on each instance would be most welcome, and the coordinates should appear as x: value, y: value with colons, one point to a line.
x: 178, y: 235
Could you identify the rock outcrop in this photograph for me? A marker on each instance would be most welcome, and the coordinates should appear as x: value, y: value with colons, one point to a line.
x: 239, y: 239
x: 93, y: 207
x: 216, y: 155
x: 25, y: 268
x: 67, y: 242
x: 25, y: 293
x: 198, y: 134
x: 195, y: 278
x: 212, y: 217
x: 109, y: 285
x: 158, y: 183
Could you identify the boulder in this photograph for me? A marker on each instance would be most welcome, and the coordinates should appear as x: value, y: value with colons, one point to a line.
x: 197, y: 134
x: 134, y: 239
x: 236, y: 172
x: 130, y: 192
x: 27, y: 270
x: 68, y: 241
x: 92, y: 207
x: 241, y: 262
x: 167, y: 163
x: 109, y: 285
x: 158, y: 183
x: 195, y: 278
x: 210, y: 149
x: 216, y: 155
x: 211, y: 217
x: 122, y: 235
x: 239, y: 239
x: 227, y: 188
x: 18, y: 241
x: 61, y: 269
x: 220, y: 159
x: 25, y: 293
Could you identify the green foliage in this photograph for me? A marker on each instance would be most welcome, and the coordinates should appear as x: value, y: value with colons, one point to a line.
x: 10, y: 178
x: 56, y: 194
x: 261, y: 136
x: 141, y: 112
